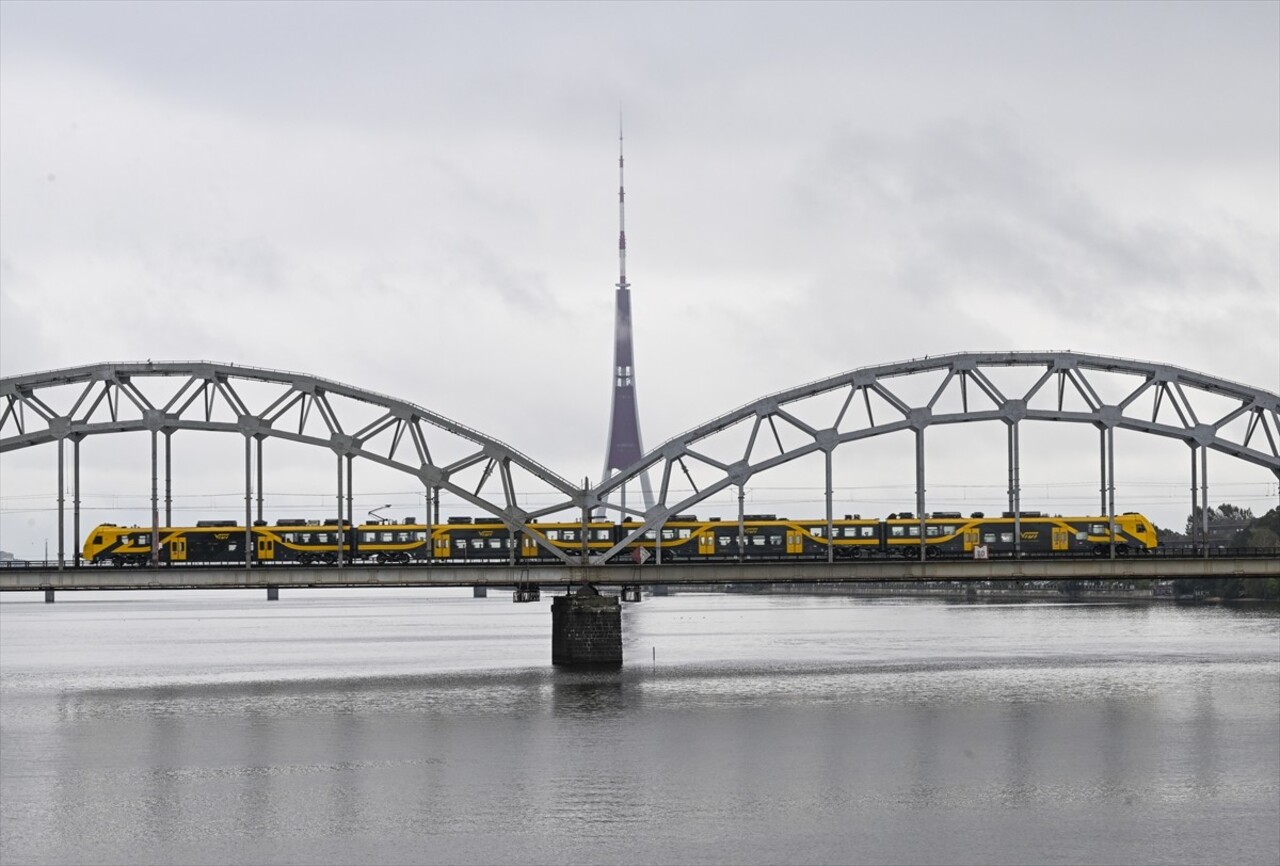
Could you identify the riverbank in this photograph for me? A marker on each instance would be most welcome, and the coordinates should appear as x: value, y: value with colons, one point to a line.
x: 1144, y: 591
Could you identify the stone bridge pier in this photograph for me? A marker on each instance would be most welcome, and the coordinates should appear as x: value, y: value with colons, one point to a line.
x: 586, y: 629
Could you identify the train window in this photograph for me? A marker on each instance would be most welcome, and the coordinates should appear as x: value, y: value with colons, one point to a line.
x: 477, y: 544
x: 818, y: 531
x: 868, y: 531
x: 685, y: 533
x: 948, y: 530
x: 913, y: 531
x: 322, y: 538
x: 1098, y: 528
x: 602, y: 535
x: 668, y: 534
x: 287, y: 538
x: 775, y: 539
x: 495, y: 543
x: 931, y: 531
x: 553, y: 535
x: 570, y: 535
x: 757, y: 540
x: 1006, y: 537
x: 386, y: 538
x: 651, y: 534
x: 897, y: 531
x: 1081, y: 535
x: 462, y: 542
x: 1140, y: 528
x: 403, y: 537
x: 232, y: 547
x: 988, y: 538
x: 725, y: 540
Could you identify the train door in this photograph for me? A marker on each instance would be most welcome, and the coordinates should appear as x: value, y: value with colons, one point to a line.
x: 441, y: 542
x: 1061, y: 538
x: 972, y: 535
x: 706, y: 544
x: 528, y: 547
x: 177, y: 549
x: 795, y: 541
x: 266, y: 547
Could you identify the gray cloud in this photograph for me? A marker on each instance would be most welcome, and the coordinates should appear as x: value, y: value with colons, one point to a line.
x: 421, y: 198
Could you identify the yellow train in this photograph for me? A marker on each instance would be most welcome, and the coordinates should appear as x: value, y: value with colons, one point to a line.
x: 683, y: 538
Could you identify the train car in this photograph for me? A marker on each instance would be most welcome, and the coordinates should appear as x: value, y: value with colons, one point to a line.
x: 952, y: 535
x: 761, y: 536
x: 219, y: 541
x: 479, y: 539
x: 307, y: 542
x: 852, y: 538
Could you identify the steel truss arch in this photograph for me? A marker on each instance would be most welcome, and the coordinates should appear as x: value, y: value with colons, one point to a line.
x: 110, y: 401
x: 1063, y: 373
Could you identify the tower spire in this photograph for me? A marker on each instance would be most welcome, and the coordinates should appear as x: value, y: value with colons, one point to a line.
x: 624, y: 447
x: 622, y: 215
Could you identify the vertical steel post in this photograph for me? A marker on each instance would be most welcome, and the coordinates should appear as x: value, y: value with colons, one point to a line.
x: 1015, y: 488
x: 1204, y: 499
x: 431, y: 541
x: 831, y: 542
x: 341, y: 538
x: 1191, y: 521
x: 586, y: 519
x: 155, y: 500
x: 742, y: 523
x: 351, y: 489
x: 168, y: 478
x: 61, y: 503
x: 75, y: 501
x: 248, y: 501
x: 1111, y: 486
x: 920, y: 487
x: 260, y: 479
x: 1102, y: 468
x: 1009, y: 464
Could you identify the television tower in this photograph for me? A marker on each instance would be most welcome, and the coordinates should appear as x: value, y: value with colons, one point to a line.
x: 624, y: 447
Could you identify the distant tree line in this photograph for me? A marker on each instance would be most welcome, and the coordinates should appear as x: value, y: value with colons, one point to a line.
x: 1232, y: 527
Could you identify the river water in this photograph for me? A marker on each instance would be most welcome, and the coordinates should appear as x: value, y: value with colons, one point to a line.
x: 397, y: 726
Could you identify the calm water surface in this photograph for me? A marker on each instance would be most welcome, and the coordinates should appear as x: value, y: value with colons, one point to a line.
x: 392, y: 726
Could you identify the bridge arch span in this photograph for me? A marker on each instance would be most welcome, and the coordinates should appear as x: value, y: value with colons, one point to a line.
x: 1158, y: 399
x: 203, y: 395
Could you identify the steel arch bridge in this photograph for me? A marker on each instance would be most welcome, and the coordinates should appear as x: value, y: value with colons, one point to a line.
x: 1156, y: 399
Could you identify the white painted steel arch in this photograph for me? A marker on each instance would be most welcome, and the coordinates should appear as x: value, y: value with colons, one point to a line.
x: 1062, y: 375
x: 109, y: 400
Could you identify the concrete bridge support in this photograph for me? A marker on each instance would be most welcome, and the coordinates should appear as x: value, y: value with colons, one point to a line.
x: 479, y: 591
x: 273, y: 593
x: 586, y: 630
x: 48, y: 596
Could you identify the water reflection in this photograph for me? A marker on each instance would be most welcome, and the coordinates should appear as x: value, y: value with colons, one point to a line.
x: 800, y: 731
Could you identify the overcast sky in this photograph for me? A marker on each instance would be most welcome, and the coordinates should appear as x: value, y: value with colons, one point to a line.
x: 420, y: 199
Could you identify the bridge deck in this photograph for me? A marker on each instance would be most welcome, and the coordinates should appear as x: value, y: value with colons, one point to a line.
x: 17, y: 578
